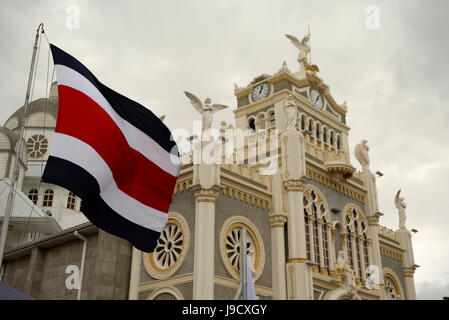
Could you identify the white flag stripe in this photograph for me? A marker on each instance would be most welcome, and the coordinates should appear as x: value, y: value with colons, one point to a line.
x: 136, y: 138
x: 83, y: 155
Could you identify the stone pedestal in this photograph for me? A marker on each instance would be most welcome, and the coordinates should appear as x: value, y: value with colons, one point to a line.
x: 408, y: 264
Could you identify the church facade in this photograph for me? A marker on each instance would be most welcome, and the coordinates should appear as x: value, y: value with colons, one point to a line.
x: 312, y: 220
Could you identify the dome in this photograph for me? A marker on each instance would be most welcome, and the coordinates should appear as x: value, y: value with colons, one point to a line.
x: 49, y: 106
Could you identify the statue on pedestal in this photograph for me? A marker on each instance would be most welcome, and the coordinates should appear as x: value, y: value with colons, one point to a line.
x: 361, y: 154
x: 207, y: 109
x: 291, y: 113
x: 400, y: 205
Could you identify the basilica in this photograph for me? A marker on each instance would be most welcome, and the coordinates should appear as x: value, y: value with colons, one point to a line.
x: 312, y: 219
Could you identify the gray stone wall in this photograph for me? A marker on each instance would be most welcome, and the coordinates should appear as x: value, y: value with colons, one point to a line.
x: 396, y: 266
x: 16, y: 272
x: 40, y: 272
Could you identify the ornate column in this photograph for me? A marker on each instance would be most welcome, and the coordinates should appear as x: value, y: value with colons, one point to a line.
x: 299, y: 286
x: 409, y: 283
x: 371, y: 205
x: 311, y: 239
x: 344, y: 247
x: 354, y: 256
x: 320, y: 246
x: 405, y: 239
x: 331, y: 249
x: 203, y: 268
x: 277, y: 223
x: 362, y: 273
x: 373, y: 227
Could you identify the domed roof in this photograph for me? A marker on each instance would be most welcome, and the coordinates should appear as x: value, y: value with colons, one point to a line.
x: 49, y: 106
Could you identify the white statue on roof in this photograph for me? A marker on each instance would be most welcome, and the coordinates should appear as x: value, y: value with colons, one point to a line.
x: 206, y: 109
x: 400, y: 205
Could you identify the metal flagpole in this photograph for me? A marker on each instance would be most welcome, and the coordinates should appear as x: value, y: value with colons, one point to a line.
x: 18, y: 153
x: 242, y: 293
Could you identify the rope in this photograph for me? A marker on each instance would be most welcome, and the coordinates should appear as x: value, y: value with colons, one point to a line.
x: 47, y: 96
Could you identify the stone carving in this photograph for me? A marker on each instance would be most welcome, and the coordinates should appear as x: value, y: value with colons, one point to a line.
x: 206, y: 109
x: 344, y: 268
x: 303, y: 46
x: 304, y: 52
x: 361, y: 154
x: 400, y: 205
x: 291, y: 113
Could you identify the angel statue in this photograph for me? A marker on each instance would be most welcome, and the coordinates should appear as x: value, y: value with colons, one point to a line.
x: 304, y: 50
x: 361, y: 154
x: 400, y: 205
x: 205, y: 109
x: 291, y: 113
x: 303, y: 46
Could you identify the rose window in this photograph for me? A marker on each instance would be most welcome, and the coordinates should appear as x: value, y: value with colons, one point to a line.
x: 169, y: 246
x: 37, y: 146
x: 233, y: 248
x: 170, y: 250
x: 230, y: 249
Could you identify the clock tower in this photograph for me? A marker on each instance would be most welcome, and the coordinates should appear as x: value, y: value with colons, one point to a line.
x: 319, y: 145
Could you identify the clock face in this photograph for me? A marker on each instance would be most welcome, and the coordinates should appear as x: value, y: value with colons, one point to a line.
x: 317, y: 99
x: 260, y: 92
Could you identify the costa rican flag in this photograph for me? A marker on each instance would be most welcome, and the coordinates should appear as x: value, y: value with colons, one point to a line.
x: 113, y: 153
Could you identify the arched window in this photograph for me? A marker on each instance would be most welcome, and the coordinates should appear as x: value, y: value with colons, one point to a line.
x: 325, y: 134
x: 317, y: 228
x: 392, y: 287
x: 332, y: 139
x: 303, y: 122
x: 71, y: 201
x: 271, y: 119
x: 311, y: 126
x: 356, y: 239
x: 338, y: 143
x: 252, y: 124
x: 48, y: 198
x: 33, y: 195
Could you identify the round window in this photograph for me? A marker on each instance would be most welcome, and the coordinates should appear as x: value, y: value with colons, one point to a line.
x: 171, y: 248
x: 37, y: 146
x: 230, y: 246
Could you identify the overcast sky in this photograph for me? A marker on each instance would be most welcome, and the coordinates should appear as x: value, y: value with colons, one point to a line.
x: 394, y: 79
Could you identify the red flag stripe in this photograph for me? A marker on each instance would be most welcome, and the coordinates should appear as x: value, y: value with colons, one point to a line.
x: 80, y: 117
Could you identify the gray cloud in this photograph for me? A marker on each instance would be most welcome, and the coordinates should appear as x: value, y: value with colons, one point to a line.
x: 394, y: 79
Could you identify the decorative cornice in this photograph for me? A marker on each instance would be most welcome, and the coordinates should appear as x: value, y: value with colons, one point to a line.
x: 232, y: 192
x: 395, y: 255
x: 339, y: 187
x: 278, y: 220
x: 206, y: 195
x: 388, y: 233
x: 299, y: 260
x: 182, y: 185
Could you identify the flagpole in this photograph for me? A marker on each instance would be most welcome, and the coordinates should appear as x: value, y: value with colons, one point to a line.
x: 18, y: 150
x: 242, y: 292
